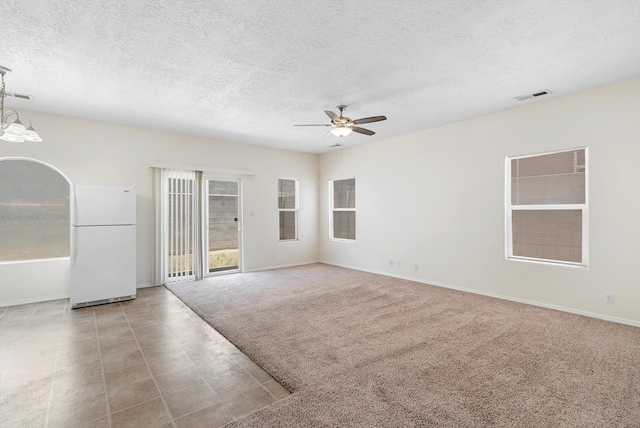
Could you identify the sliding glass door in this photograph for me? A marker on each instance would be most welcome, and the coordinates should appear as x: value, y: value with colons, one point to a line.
x: 223, y: 226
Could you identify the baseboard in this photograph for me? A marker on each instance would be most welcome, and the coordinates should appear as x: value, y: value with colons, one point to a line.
x: 145, y: 285
x: 282, y: 266
x: 33, y: 300
x: 495, y: 295
x: 50, y: 298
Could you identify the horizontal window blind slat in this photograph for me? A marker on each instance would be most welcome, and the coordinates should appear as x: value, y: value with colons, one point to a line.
x: 287, y: 225
x: 548, y: 234
x: 344, y: 193
x: 557, y: 178
x: 286, y: 193
x: 344, y: 224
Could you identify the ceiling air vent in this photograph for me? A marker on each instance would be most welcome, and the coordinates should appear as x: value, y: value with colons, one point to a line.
x: 19, y: 96
x: 531, y: 96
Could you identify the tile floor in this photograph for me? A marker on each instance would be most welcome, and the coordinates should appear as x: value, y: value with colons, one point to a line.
x: 150, y: 362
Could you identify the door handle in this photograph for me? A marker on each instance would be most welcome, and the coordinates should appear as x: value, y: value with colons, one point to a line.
x: 73, y: 246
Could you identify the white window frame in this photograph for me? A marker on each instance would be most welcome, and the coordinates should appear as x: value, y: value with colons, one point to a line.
x: 509, y: 208
x: 333, y: 209
x: 295, y: 210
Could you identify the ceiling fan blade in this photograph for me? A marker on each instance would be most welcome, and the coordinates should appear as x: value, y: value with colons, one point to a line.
x: 324, y: 124
x: 327, y: 135
x: 334, y: 117
x: 361, y: 130
x: 369, y: 119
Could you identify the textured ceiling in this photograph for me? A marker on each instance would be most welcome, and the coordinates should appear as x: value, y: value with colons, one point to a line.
x: 246, y: 71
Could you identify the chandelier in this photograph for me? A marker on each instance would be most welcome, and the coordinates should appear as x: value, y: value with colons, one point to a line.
x: 11, y: 126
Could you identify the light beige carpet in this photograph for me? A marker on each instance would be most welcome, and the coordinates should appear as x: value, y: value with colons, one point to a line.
x: 365, y: 350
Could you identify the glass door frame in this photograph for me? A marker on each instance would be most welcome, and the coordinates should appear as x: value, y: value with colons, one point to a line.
x: 206, y: 177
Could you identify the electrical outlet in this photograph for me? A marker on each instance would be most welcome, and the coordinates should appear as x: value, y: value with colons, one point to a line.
x: 391, y: 263
x: 608, y: 298
x: 416, y: 267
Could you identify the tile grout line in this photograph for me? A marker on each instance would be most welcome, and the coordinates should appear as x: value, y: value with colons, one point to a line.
x: 55, y: 364
x: 261, y: 383
x: 146, y: 363
x: 4, y: 375
x: 240, y: 364
x: 13, y: 357
x: 219, y: 399
x: 104, y: 378
x: 15, y: 352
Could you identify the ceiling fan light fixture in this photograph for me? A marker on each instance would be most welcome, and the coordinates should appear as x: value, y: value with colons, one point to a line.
x: 341, y: 131
x: 343, y: 125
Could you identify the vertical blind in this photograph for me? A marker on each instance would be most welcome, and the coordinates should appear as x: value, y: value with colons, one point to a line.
x: 548, y: 203
x: 181, y: 225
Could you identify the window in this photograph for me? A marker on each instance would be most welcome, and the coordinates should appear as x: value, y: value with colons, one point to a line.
x: 547, y: 209
x: 343, y: 208
x: 34, y: 211
x: 288, y: 209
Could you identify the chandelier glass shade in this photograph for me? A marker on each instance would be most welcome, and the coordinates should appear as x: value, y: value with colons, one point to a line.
x: 15, y: 131
x: 11, y: 126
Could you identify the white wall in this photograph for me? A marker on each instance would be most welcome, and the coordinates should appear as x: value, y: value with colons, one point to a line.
x: 436, y: 198
x: 433, y: 198
x: 101, y: 153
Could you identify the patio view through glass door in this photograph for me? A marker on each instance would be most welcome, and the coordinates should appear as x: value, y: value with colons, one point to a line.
x: 223, y: 226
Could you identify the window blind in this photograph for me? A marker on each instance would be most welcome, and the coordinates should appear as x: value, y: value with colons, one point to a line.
x: 548, y: 234
x: 547, y: 206
x: 344, y: 209
x: 557, y: 178
x: 288, y: 209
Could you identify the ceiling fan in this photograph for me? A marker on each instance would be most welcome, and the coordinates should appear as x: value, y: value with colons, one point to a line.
x: 343, y: 126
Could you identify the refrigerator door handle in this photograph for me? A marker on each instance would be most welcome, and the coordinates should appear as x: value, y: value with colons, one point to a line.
x: 73, y: 246
x: 74, y: 207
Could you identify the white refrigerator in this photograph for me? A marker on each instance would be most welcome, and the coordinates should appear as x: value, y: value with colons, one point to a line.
x: 103, y: 245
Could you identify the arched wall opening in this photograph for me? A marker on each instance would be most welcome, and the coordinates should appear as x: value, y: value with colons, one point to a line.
x: 35, y: 227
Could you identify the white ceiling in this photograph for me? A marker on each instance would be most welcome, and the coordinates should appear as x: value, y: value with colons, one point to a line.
x: 248, y: 70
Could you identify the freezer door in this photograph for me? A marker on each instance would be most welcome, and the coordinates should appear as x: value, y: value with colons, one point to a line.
x: 103, y: 205
x: 103, y: 263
